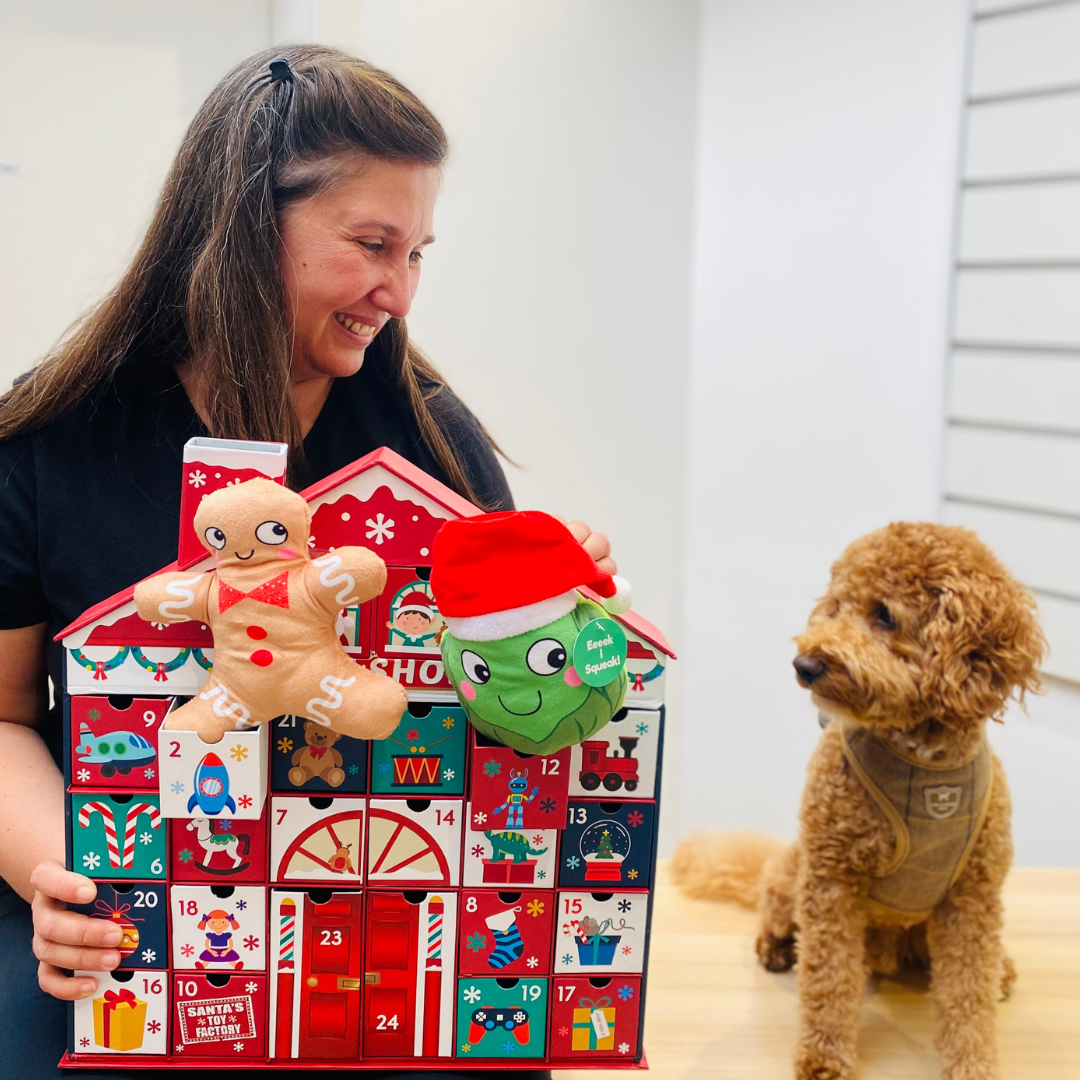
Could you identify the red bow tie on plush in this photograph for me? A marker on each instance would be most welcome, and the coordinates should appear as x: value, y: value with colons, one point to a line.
x: 275, y: 591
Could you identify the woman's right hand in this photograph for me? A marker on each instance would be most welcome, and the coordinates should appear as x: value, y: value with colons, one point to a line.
x: 66, y: 939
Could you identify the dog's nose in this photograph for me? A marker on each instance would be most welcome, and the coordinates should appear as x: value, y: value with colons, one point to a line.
x: 808, y: 668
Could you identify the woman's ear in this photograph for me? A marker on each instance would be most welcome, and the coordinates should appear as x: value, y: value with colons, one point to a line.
x: 984, y: 646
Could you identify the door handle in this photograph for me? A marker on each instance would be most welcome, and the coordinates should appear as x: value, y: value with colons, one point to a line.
x: 347, y: 984
x: 373, y: 977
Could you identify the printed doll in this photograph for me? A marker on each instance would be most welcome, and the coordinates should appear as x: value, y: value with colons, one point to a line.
x: 219, y: 948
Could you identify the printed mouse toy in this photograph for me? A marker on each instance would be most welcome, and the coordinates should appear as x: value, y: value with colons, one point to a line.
x: 273, y: 610
x: 506, y: 585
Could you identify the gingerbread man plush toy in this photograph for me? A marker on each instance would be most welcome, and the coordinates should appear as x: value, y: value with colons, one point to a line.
x: 273, y: 610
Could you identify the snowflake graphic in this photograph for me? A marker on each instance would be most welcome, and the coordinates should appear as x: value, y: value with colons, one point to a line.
x: 311, y: 541
x: 448, y: 722
x: 472, y: 995
x: 624, y: 1048
x: 91, y: 860
x: 354, y: 769
x: 186, y: 855
x: 541, y: 874
x: 547, y: 805
x: 380, y: 528
x: 197, y: 478
x: 535, y: 907
x: 148, y: 956
x: 93, y: 714
x: 538, y: 838
x: 478, y: 851
x: 179, y: 1048
x: 624, y: 905
x: 154, y: 1027
x: 479, y: 818
x: 238, y: 1046
x: 412, y: 734
x: 448, y: 774
x: 84, y: 1041
x: 177, y: 787
x: 625, y: 993
x: 564, y: 1031
x: 83, y: 775
x: 573, y: 862
x: 492, y: 768
x: 384, y: 766
x: 567, y: 959
x: 532, y: 962
x: 251, y: 987
x: 244, y: 801
x: 643, y: 729
x: 509, y: 1046
x: 631, y: 874
x: 241, y: 904
x: 476, y: 942
x: 634, y: 819
x: 284, y: 745
x: 145, y: 838
x: 158, y: 625
x: 225, y: 825
x: 251, y: 943
x: 239, y: 752
x: 465, y: 1048
x: 187, y: 950
x: 626, y: 950
x: 149, y: 774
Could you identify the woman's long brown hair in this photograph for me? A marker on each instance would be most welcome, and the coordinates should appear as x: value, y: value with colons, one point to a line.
x: 206, y: 284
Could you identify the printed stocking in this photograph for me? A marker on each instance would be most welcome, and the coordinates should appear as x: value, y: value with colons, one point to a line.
x: 508, y: 943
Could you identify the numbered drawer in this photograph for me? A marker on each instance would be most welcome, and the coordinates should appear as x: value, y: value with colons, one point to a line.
x: 507, y: 857
x: 409, y: 974
x: 129, y: 1014
x: 226, y: 779
x: 607, y: 843
x: 117, y: 836
x: 317, y: 839
x: 219, y: 1015
x: 415, y: 841
x: 601, y: 932
x: 505, y: 933
x: 138, y: 910
x: 217, y: 849
x: 501, y: 1018
x: 309, y: 757
x: 620, y: 759
x: 515, y: 790
x: 424, y: 755
x: 595, y: 1018
x: 218, y: 927
x: 114, y: 741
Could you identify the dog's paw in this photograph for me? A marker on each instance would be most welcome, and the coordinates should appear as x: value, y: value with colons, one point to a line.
x: 824, y: 1056
x: 813, y: 1067
x: 775, y: 954
x: 1008, y: 978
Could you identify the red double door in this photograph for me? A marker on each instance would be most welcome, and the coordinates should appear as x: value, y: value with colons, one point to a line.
x: 330, y: 978
x: 390, y: 972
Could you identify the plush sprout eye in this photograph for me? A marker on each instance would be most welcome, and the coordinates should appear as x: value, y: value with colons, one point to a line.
x: 215, y: 538
x: 271, y: 532
x: 546, y: 656
x: 475, y: 667
x: 882, y: 616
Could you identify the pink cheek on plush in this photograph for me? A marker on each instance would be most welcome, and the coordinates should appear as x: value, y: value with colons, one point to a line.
x: 286, y: 553
x: 571, y: 677
x: 468, y: 689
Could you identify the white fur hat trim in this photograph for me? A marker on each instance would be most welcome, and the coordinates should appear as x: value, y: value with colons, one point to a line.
x: 506, y: 624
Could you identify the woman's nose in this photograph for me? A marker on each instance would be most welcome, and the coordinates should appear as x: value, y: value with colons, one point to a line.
x: 394, y: 293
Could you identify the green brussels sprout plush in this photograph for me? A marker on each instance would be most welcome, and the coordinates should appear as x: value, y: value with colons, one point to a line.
x: 506, y: 585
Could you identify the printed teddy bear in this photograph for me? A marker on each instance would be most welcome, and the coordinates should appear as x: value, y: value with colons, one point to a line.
x: 273, y: 610
x: 317, y: 758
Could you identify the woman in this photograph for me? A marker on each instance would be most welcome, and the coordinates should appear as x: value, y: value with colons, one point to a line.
x: 266, y: 302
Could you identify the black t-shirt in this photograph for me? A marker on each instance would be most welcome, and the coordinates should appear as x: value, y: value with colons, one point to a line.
x: 90, y: 503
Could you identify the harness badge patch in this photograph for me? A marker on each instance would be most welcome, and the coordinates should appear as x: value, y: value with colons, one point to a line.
x: 942, y: 802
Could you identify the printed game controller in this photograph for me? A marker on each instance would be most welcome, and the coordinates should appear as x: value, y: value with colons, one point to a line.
x: 486, y: 1019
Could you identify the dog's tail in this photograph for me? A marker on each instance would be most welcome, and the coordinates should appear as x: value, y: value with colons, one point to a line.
x: 723, y: 865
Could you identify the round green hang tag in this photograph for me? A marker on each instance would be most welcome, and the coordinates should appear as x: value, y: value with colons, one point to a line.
x: 600, y: 652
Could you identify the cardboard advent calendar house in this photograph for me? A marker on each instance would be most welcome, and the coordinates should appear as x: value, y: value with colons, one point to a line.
x: 291, y: 897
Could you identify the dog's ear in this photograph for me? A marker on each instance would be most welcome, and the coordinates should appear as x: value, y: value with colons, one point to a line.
x: 984, y: 645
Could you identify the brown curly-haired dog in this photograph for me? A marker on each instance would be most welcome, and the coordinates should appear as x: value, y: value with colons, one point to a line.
x: 905, y: 840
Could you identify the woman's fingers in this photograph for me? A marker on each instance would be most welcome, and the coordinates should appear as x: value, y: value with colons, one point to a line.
x: 72, y: 957
x: 51, y: 879
x: 57, y: 984
x: 53, y: 923
x: 607, y: 565
x: 595, y: 543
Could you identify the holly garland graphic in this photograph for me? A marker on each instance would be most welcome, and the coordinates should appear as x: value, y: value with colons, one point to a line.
x: 200, y: 659
x: 100, y: 668
x: 160, y: 668
x: 638, y: 681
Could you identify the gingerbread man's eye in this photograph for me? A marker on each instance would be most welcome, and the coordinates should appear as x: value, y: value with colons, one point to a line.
x: 215, y: 538
x: 271, y: 532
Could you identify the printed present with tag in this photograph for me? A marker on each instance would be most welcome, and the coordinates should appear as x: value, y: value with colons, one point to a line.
x: 594, y: 1024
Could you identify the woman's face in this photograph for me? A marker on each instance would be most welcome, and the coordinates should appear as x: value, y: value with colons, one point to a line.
x: 351, y: 261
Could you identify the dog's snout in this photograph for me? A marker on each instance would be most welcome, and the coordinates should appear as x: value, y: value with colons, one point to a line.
x: 808, y: 668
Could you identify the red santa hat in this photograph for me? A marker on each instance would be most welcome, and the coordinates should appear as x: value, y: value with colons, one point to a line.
x: 499, y: 575
x: 418, y: 602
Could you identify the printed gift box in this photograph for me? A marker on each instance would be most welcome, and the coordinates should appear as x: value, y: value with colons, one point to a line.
x: 119, y: 1020
x: 594, y: 1025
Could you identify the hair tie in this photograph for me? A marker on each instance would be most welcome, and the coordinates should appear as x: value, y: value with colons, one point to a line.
x: 280, y: 70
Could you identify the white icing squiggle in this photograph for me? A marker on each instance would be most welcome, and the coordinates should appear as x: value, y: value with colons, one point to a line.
x: 183, y: 589
x: 347, y: 593
x: 222, y: 707
x: 332, y: 701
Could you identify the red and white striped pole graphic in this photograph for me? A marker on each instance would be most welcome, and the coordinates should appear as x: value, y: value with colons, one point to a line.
x: 433, y: 978
x: 106, y: 812
x: 285, y: 975
x: 129, y: 828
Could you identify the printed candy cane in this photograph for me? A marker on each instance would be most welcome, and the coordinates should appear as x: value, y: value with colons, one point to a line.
x: 346, y: 594
x: 129, y: 828
x: 332, y: 702
x: 106, y: 812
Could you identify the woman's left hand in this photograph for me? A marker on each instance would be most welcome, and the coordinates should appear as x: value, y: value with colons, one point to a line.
x: 596, y: 544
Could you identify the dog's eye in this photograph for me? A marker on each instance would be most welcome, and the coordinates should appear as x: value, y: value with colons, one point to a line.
x: 881, y: 616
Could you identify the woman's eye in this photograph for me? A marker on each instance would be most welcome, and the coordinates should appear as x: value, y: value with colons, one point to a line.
x: 415, y: 258
x: 271, y: 532
x: 371, y: 245
x: 475, y: 667
x: 882, y: 616
x: 546, y: 656
x: 215, y: 538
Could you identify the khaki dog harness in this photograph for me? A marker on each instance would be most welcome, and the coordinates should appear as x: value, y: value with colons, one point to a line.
x: 936, y: 813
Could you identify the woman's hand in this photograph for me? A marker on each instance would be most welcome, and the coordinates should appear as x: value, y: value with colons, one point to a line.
x: 66, y: 939
x: 596, y: 544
